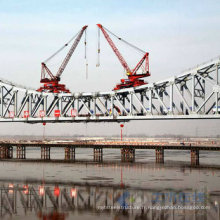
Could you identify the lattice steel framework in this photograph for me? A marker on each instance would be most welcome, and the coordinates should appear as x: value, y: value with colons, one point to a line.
x: 192, y: 95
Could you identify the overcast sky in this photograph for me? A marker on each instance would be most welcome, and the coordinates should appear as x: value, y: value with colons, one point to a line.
x: 177, y: 34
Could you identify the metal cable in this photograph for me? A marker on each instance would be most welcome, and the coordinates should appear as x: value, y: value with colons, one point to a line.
x: 65, y: 45
x: 119, y: 38
x: 98, y: 54
x: 86, y: 59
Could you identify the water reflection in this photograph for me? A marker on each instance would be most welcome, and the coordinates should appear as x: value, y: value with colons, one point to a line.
x: 33, y: 199
x: 110, y: 190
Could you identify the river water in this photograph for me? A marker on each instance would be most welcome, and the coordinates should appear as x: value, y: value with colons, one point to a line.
x: 112, y: 189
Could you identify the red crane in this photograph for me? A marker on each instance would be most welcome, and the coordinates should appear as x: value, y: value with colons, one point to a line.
x: 133, y: 77
x: 50, y: 81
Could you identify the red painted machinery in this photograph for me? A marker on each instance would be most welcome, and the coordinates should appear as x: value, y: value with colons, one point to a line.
x: 51, y: 82
x: 134, y: 78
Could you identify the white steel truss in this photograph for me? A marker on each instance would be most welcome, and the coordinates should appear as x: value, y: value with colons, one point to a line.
x: 192, y: 95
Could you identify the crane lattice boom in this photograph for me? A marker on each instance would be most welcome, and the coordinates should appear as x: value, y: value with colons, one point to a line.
x: 133, y: 78
x: 70, y: 53
x: 51, y: 83
x: 115, y: 49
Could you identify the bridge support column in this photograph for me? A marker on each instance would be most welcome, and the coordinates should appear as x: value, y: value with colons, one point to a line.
x: 6, y: 152
x: 45, y: 152
x: 98, y: 154
x: 21, y: 152
x: 128, y: 154
x: 159, y: 155
x: 194, y: 157
x: 69, y: 153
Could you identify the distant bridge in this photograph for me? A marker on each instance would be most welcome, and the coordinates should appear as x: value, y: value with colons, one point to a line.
x: 127, y: 148
x: 192, y: 95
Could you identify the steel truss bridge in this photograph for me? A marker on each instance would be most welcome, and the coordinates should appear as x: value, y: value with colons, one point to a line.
x: 192, y: 95
x: 25, y: 198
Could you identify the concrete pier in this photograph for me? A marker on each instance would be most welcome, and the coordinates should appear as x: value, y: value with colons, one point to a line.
x: 6, y: 152
x: 21, y: 152
x: 194, y: 157
x: 70, y: 153
x: 159, y: 151
x: 45, y: 153
x: 127, y: 154
x: 98, y: 154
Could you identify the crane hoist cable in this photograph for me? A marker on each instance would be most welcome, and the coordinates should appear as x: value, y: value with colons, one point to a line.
x: 86, y: 58
x: 85, y: 42
x: 98, y: 49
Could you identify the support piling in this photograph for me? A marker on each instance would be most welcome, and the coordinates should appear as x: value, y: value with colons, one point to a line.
x: 45, y: 153
x: 127, y: 154
x: 194, y: 157
x: 159, y: 155
x: 21, y: 152
x: 69, y: 153
x: 6, y: 152
x: 98, y: 154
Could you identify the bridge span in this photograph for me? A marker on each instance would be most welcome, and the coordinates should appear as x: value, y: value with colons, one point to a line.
x: 192, y: 95
x: 127, y: 148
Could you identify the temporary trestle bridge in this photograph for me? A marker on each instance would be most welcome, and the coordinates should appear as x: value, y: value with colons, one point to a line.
x: 192, y: 95
x: 128, y: 148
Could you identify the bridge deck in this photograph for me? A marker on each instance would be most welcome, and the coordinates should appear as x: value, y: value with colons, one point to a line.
x: 127, y: 148
x: 118, y: 145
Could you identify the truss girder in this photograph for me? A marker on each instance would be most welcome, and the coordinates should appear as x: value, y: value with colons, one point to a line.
x: 194, y: 94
